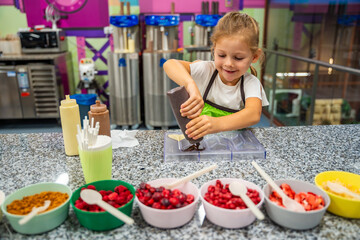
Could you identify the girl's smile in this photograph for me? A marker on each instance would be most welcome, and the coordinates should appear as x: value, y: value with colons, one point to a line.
x: 232, y: 57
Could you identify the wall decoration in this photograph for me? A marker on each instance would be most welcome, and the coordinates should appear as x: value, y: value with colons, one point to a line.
x: 73, y: 13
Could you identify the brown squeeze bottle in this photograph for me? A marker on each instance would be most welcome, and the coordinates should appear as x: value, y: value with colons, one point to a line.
x: 100, y: 114
x: 178, y: 96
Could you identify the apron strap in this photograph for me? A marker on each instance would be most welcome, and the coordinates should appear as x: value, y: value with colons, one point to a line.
x: 242, y: 89
x: 218, y: 106
x: 212, y: 79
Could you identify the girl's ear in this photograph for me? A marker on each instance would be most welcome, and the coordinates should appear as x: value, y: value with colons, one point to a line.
x: 257, y: 55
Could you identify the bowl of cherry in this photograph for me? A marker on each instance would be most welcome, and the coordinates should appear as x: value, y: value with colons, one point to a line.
x: 117, y: 193
x: 225, y: 209
x: 167, y: 208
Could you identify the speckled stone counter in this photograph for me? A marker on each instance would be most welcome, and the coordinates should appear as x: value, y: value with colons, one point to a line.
x: 292, y: 152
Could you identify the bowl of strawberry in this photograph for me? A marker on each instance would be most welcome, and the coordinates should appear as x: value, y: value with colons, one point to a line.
x: 167, y: 208
x: 117, y: 193
x: 314, y: 200
x: 225, y: 209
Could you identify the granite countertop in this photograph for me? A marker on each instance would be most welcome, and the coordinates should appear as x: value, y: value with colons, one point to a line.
x: 292, y: 152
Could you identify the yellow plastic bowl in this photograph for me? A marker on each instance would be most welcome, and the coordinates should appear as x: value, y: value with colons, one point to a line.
x: 341, y: 206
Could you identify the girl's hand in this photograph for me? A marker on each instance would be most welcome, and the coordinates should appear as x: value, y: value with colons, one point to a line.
x: 200, y: 127
x: 192, y: 107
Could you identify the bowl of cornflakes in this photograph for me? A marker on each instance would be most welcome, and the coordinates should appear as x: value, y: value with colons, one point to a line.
x: 342, y: 204
x: 21, y: 202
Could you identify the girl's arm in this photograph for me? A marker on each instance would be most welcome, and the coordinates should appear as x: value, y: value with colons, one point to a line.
x: 179, y: 72
x: 204, y: 125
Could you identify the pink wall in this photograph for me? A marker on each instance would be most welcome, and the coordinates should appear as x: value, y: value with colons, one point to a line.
x: 254, y: 3
x: 93, y: 14
x: 183, y: 6
x: 6, y: 2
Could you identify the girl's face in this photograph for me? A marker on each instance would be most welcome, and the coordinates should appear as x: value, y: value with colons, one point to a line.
x: 232, y: 57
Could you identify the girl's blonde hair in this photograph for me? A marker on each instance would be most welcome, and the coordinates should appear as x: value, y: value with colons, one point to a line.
x: 241, y: 24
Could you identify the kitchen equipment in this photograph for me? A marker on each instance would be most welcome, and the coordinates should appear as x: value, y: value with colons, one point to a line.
x: 170, y: 218
x: 42, y: 41
x: 102, y: 221
x: 288, y: 202
x: 202, y: 30
x: 178, y: 96
x: 33, y: 86
x: 94, y: 197
x: 33, y: 212
x: 42, y: 222
x: 100, y: 114
x: 70, y: 119
x: 224, y: 146
x: 161, y: 45
x: 339, y: 205
x: 124, y: 77
x: 239, y: 189
x: 229, y: 218
x: 291, y: 219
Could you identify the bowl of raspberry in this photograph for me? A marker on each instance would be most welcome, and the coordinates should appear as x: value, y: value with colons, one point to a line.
x: 117, y: 193
x: 167, y: 208
x: 314, y: 200
x: 225, y: 209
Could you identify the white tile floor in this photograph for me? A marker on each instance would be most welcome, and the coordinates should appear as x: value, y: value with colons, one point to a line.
x: 53, y: 125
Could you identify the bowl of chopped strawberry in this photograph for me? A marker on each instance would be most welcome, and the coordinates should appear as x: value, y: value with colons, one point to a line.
x: 314, y: 200
x: 167, y: 208
x: 117, y: 193
x: 225, y: 209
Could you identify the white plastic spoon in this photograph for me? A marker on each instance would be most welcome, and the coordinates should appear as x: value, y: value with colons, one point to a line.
x: 239, y: 189
x: 34, y: 212
x: 93, y: 197
x: 190, y: 177
x: 288, y: 202
x: 337, y: 188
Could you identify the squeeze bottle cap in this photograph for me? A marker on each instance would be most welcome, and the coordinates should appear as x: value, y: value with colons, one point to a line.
x: 98, y: 107
x: 68, y: 102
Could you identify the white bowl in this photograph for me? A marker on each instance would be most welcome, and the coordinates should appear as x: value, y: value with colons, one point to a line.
x: 229, y: 218
x: 291, y: 219
x: 2, y: 199
x: 171, y: 218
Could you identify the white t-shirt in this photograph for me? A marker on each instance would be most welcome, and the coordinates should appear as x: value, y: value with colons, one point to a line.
x: 224, y: 95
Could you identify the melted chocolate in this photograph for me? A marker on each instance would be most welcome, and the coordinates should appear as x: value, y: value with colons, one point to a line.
x: 194, y: 147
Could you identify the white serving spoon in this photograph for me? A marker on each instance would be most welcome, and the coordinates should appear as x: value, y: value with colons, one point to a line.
x: 190, y: 177
x: 34, y: 212
x: 93, y: 197
x: 337, y: 188
x: 239, y: 189
x: 287, y: 202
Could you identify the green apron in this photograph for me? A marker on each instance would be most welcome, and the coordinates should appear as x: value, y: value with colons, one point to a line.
x: 213, y: 110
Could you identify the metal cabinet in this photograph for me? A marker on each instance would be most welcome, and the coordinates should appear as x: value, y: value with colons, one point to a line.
x: 32, y: 86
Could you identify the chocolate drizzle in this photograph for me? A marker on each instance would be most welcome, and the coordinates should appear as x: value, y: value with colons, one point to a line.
x: 194, y: 147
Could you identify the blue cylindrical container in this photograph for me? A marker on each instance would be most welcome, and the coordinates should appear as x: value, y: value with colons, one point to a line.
x: 84, y: 101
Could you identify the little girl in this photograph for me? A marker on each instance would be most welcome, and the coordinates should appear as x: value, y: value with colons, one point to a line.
x: 223, y: 95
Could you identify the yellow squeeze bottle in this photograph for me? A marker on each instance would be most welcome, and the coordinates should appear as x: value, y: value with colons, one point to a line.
x: 131, y: 44
x: 70, y: 118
